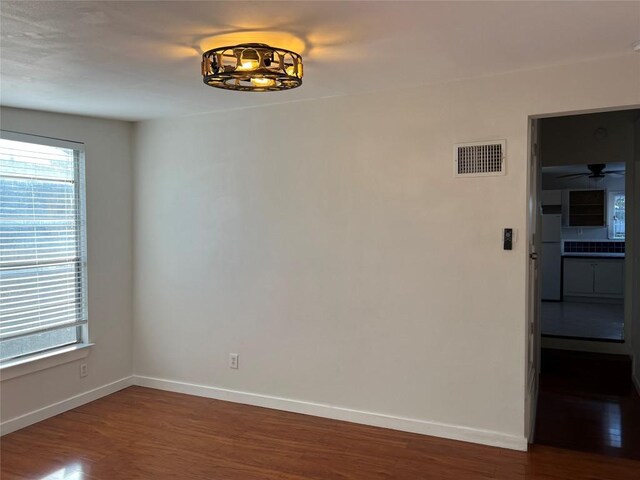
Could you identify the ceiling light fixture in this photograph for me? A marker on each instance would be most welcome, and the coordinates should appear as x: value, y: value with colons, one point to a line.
x: 252, y: 67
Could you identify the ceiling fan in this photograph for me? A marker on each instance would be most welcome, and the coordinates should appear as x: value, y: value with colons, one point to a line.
x: 596, y: 170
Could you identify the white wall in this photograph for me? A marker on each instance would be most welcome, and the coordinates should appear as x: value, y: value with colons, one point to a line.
x: 328, y: 244
x: 609, y: 182
x: 109, y: 240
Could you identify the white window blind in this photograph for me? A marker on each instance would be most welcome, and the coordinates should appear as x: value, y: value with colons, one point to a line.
x: 42, y: 245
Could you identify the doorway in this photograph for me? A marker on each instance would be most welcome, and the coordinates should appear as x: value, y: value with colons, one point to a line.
x: 584, y: 172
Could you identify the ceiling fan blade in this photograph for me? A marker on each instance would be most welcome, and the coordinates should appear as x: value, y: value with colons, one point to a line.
x: 614, y: 172
x: 573, y: 175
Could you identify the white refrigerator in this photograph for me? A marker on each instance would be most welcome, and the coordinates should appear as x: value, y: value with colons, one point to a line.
x: 551, y: 265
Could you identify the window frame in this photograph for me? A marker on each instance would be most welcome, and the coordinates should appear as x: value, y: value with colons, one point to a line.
x: 611, y: 195
x: 31, y: 362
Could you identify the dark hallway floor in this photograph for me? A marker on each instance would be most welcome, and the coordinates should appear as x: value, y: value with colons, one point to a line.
x: 587, y: 402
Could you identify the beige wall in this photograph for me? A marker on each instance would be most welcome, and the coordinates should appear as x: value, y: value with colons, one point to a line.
x: 328, y: 243
x: 109, y: 240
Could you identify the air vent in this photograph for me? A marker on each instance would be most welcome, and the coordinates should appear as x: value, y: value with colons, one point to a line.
x: 479, y: 159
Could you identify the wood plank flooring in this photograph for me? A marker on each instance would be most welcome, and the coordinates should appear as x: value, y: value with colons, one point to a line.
x: 141, y: 433
x: 588, y: 402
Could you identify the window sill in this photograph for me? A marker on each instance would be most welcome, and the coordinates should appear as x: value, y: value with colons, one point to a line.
x: 42, y: 361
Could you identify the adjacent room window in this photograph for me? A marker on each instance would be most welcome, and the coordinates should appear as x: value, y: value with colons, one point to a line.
x: 42, y: 245
x: 616, y: 215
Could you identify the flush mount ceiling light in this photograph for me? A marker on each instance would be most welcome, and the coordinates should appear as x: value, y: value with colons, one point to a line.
x: 252, y: 67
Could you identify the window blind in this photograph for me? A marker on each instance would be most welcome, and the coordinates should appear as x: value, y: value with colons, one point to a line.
x: 42, y: 245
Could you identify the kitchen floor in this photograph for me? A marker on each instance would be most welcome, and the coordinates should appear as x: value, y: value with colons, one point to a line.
x: 600, y: 321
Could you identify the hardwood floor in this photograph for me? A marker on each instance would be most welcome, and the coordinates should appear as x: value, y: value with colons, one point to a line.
x: 587, y: 402
x: 140, y: 433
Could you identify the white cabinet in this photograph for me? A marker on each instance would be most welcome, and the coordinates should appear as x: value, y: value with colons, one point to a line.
x: 578, y: 276
x: 608, y: 278
x: 593, y: 277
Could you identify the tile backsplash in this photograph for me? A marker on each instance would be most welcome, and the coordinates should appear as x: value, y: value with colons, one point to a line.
x: 593, y: 247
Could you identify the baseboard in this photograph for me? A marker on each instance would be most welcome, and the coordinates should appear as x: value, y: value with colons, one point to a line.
x: 30, y: 418
x: 454, y: 432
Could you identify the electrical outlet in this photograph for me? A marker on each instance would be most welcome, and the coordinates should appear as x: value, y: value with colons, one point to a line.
x: 84, y: 371
x: 233, y: 360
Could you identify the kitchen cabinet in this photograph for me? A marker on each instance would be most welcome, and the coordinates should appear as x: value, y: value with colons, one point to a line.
x: 578, y: 276
x: 587, y: 208
x: 593, y: 277
x: 608, y: 278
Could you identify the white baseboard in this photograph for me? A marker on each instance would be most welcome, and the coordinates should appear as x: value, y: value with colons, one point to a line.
x: 454, y: 432
x: 30, y: 418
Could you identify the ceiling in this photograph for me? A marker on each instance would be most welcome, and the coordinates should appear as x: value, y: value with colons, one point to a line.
x: 141, y: 59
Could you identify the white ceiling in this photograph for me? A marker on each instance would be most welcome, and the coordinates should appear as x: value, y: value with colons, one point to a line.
x: 138, y: 59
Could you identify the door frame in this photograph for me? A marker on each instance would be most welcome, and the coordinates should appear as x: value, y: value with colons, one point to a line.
x: 532, y: 347
x: 632, y: 268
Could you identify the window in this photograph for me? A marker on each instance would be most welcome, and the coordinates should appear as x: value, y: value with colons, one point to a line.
x: 42, y: 245
x: 616, y: 215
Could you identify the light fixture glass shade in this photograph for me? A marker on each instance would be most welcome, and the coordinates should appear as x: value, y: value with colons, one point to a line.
x: 252, y: 67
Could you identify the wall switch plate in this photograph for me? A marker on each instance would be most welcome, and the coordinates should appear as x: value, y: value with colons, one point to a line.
x: 507, y: 239
x: 233, y: 360
x: 84, y: 370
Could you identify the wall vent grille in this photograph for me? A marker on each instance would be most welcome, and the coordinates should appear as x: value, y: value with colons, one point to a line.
x: 479, y: 159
